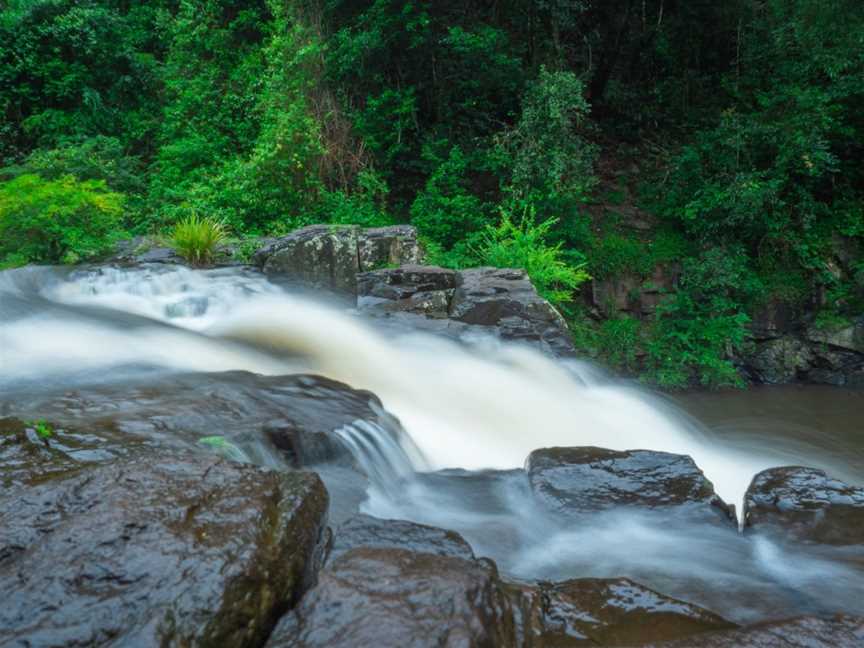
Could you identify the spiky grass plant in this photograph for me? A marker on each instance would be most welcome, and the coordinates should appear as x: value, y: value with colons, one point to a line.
x: 197, y: 238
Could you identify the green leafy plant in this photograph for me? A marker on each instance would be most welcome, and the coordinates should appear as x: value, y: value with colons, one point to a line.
x: 197, y: 238
x: 43, y: 429
x: 523, y: 245
x: 62, y: 220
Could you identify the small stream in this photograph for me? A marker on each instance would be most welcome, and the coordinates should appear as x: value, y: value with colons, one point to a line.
x: 471, y: 416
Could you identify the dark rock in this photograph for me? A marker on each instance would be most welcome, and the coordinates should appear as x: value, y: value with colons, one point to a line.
x: 804, y: 632
x: 483, y: 302
x: 177, y: 411
x: 394, y: 245
x: 780, y: 361
x: 806, y: 504
x: 573, y: 481
x: 424, y: 290
x: 323, y: 256
x: 398, y: 598
x: 618, y: 612
x: 330, y: 256
x: 370, y: 532
x: 27, y: 459
x: 177, y: 550
x: 849, y: 337
x: 507, y: 300
x: 392, y: 583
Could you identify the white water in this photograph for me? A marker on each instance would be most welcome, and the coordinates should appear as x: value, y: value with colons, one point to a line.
x: 487, y: 406
x: 472, y: 409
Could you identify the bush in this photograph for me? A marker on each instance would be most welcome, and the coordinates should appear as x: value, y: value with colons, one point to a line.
x: 704, y: 322
x: 197, y: 239
x: 62, y: 220
x: 523, y: 245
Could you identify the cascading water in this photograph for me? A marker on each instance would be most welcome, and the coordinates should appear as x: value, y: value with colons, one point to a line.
x: 463, y: 409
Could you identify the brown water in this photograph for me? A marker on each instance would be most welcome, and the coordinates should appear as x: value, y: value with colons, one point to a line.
x: 812, y: 425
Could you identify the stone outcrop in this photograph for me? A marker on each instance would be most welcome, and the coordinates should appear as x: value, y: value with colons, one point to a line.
x: 155, y: 549
x: 392, y: 583
x: 784, y: 350
x: 374, y: 533
x: 618, y: 612
x: 297, y: 413
x: 330, y: 256
x: 806, y: 504
x: 481, y: 301
x: 575, y: 481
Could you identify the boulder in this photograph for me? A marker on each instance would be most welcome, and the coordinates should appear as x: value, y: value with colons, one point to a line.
x: 321, y: 256
x: 480, y: 302
x: 330, y: 256
x: 370, y: 532
x: 574, y: 481
x: 803, y: 632
x: 298, y: 414
x: 157, y: 549
x: 389, y: 246
x: 780, y: 360
x: 806, y: 504
x: 422, y: 290
x: 399, y: 598
x: 618, y: 612
x: 395, y: 583
x: 506, y: 300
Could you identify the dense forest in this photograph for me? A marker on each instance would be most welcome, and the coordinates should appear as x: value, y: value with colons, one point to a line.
x: 717, y: 142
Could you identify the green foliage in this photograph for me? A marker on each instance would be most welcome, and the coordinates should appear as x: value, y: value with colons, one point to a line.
x: 62, y: 220
x: 446, y: 211
x: 197, y: 239
x: 700, y: 326
x: 523, y: 245
x: 550, y: 160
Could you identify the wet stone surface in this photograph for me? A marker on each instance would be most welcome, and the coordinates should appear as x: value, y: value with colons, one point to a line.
x: 806, y: 504
x: 170, y: 550
x: 574, y: 481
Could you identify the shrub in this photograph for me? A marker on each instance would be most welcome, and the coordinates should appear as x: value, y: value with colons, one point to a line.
x: 704, y: 322
x: 62, y: 220
x: 196, y: 239
x: 524, y: 245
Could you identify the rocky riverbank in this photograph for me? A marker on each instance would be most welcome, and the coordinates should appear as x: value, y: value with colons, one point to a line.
x: 126, y: 523
x: 381, y: 268
x: 114, y: 536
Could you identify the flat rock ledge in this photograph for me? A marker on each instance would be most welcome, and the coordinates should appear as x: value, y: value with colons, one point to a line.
x: 151, y: 549
x: 497, y: 302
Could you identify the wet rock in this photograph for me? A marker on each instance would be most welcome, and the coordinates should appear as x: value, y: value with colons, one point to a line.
x: 506, y: 299
x: 398, y: 598
x: 468, y: 305
x: 324, y: 256
x: 389, y: 246
x: 168, y: 550
x: 804, y: 632
x: 424, y: 290
x: 330, y: 256
x: 370, y: 532
x: 28, y: 458
x: 294, y: 412
x: 573, y: 481
x: 618, y: 612
x: 780, y: 361
x: 807, y: 504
